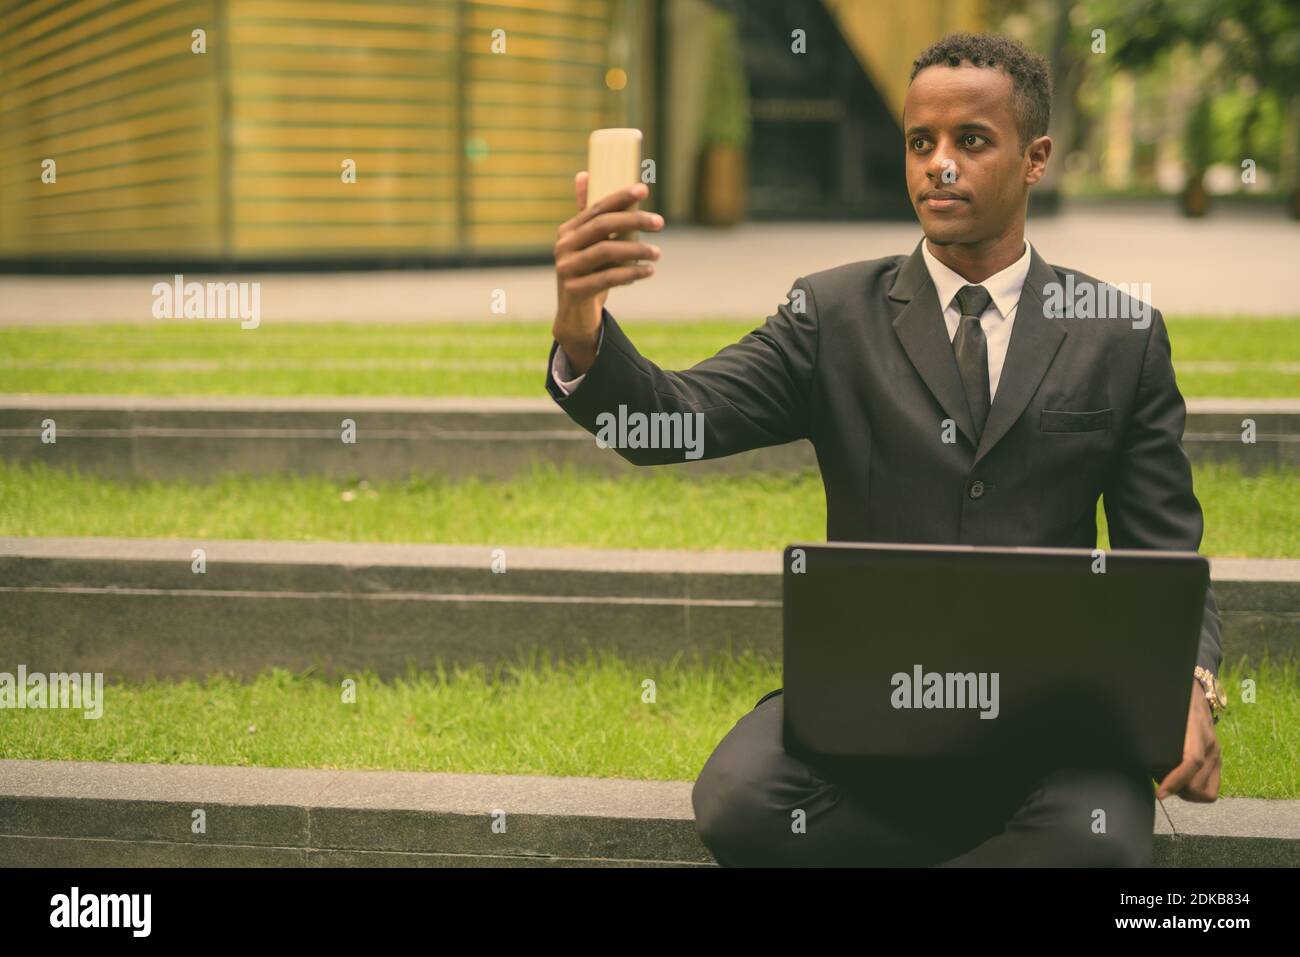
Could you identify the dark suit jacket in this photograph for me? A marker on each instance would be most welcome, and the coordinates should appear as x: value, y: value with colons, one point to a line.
x: 1085, y: 408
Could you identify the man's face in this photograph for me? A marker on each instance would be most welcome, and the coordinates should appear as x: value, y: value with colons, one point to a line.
x: 966, y: 173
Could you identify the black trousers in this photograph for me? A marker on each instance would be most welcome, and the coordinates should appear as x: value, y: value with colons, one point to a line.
x: 756, y: 804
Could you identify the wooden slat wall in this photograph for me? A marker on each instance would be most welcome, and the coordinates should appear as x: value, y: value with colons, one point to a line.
x: 110, y: 91
x: 237, y: 153
x: 529, y: 112
x: 314, y: 83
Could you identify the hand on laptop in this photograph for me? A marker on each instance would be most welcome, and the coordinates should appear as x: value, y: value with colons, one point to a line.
x: 1197, y: 778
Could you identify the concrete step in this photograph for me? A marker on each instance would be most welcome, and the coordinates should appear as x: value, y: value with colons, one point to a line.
x: 88, y: 814
x: 131, y: 607
x: 150, y: 437
x: 69, y: 813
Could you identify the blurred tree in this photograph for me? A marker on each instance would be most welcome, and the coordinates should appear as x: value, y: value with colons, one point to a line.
x: 1256, y: 39
x: 1198, y: 147
x: 721, y: 181
x: 1067, y: 52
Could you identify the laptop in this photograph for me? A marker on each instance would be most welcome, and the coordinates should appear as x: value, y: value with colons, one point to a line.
x: 1029, y: 655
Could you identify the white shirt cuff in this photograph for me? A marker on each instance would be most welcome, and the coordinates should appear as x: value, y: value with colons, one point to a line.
x: 561, y: 371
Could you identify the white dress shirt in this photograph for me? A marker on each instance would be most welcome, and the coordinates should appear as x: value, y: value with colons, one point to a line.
x: 1004, y: 289
x: 561, y: 370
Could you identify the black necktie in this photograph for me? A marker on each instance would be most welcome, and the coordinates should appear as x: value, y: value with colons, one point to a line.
x: 972, y: 352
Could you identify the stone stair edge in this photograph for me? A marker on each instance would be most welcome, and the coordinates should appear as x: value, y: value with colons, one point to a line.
x: 557, y: 558
x: 347, y: 789
x: 481, y: 794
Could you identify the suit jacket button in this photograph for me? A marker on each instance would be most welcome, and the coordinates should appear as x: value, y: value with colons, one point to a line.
x: 976, y: 489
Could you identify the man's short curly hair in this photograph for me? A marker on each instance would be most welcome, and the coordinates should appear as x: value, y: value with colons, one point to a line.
x: 1031, y: 80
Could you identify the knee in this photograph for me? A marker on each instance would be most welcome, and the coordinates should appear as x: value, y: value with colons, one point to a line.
x: 727, y: 814
x: 763, y: 816
x: 748, y: 793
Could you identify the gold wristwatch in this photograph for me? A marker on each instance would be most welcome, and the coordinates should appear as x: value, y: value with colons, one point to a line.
x: 1214, y: 691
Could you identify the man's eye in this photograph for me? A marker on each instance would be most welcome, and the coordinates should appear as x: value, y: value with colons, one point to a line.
x: 918, y: 143
x: 971, y: 136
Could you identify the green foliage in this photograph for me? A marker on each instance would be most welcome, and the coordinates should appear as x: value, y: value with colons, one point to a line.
x: 1250, y: 125
x: 583, y: 717
x: 1255, y: 38
x: 1248, y: 52
x: 726, y: 115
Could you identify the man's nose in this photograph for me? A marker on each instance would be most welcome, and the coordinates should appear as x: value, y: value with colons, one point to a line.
x: 942, y: 163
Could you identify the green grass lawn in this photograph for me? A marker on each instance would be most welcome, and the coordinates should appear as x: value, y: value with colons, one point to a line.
x: 1220, y: 356
x: 1256, y: 516
x: 580, y: 718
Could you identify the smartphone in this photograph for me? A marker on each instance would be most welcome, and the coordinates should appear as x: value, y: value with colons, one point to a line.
x: 613, y: 163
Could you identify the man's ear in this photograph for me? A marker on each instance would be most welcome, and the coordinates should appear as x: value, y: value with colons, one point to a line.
x: 1037, y: 154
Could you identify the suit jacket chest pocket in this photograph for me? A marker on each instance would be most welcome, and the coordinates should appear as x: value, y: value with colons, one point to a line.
x: 1053, y: 420
x: 1071, y: 453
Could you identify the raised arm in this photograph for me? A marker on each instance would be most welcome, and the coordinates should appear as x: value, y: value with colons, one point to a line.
x: 753, y: 393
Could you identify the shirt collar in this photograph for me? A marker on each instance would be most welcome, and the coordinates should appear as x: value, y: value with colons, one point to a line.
x: 1004, y: 287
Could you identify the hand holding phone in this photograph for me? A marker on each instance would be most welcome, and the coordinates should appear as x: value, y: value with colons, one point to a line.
x: 599, y: 247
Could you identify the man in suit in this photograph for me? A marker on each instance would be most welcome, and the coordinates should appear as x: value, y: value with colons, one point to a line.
x: 952, y: 395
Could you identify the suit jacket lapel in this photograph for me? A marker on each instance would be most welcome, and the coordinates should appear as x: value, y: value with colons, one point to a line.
x: 924, y: 337
x: 1035, y: 338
